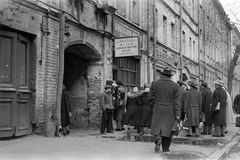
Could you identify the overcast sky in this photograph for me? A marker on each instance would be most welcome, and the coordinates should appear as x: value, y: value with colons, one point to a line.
x: 232, y: 8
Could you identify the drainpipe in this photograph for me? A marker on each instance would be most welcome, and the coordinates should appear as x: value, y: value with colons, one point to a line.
x: 154, y: 40
x: 180, y: 49
x: 148, y: 42
x: 199, y: 60
x: 61, y: 65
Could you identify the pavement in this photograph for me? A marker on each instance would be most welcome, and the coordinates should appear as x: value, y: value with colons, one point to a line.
x: 91, y: 145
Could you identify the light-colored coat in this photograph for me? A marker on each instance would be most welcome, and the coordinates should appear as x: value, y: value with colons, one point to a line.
x: 229, y: 110
x: 164, y: 96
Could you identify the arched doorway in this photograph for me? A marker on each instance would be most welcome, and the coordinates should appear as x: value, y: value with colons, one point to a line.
x: 78, y: 58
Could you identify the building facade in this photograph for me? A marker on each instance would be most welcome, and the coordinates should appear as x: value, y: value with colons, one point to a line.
x: 29, y: 51
x: 215, y: 40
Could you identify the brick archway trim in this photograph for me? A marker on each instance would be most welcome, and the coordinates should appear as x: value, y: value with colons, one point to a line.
x: 89, y: 46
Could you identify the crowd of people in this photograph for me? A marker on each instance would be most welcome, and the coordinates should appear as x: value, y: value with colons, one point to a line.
x: 163, y: 103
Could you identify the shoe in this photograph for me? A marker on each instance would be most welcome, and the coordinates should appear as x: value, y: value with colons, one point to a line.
x: 110, y: 132
x: 123, y: 129
x: 222, y: 135
x: 128, y: 131
x: 226, y: 132
x: 215, y: 136
x: 117, y: 129
x: 209, y: 133
x: 68, y: 132
x: 204, y: 133
x: 188, y: 135
x: 158, y: 142
x: 103, y: 132
x: 167, y: 150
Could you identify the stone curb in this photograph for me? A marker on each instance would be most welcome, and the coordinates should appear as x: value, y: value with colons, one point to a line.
x: 223, y: 152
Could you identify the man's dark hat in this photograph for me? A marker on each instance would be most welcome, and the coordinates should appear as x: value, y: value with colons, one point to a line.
x: 108, y: 86
x: 119, y: 83
x: 167, y: 71
x: 146, y: 85
x: 204, y: 83
x: 181, y: 82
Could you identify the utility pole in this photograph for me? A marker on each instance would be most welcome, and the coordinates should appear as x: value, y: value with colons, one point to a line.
x: 148, y: 42
x: 61, y: 65
x: 180, y: 50
x: 154, y: 40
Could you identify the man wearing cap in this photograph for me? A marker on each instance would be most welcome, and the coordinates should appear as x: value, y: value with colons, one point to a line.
x: 164, y: 97
x: 120, y: 102
x: 206, y: 102
x: 107, y: 110
x: 219, y: 115
x: 193, y: 108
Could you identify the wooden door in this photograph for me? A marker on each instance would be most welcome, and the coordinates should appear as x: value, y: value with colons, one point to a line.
x: 14, y: 84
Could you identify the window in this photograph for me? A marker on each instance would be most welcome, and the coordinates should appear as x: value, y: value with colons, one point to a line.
x: 76, y: 7
x: 173, y: 35
x: 194, y: 50
x: 183, y: 43
x: 127, y: 70
x: 121, y: 7
x: 136, y: 12
x: 164, y: 29
x: 190, y: 48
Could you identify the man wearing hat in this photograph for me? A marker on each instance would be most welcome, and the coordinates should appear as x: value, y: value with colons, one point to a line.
x: 206, y: 102
x: 182, y: 92
x: 193, y: 108
x: 107, y: 110
x: 120, y: 102
x: 219, y: 115
x: 164, y: 98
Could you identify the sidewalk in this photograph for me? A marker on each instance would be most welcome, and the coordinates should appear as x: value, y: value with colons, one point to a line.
x: 91, y: 145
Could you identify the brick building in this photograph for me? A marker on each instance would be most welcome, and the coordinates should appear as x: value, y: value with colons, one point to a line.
x: 30, y: 62
x: 29, y: 51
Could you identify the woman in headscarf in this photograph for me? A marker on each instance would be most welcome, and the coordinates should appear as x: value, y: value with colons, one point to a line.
x: 146, y: 111
x: 132, y: 109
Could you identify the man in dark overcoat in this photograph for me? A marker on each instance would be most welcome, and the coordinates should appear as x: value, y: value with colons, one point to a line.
x: 206, y: 102
x: 182, y: 93
x: 65, y: 110
x: 193, y: 108
x: 219, y: 115
x: 120, y: 105
x: 236, y: 104
x: 164, y: 97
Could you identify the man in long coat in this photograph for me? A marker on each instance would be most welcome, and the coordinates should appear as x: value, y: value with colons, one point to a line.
x: 120, y: 104
x: 193, y: 108
x: 219, y: 115
x: 182, y: 93
x: 65, y: 110
x: 164, y: 97
x: 206, y: 102
x: 236, y: 104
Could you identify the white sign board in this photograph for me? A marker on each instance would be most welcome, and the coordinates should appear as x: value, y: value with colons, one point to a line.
x: 126, y: 46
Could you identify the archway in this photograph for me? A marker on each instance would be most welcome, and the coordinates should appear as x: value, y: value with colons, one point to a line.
x: 78, y: 57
